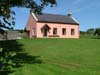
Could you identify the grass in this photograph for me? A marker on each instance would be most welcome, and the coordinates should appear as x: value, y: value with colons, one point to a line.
x: 61, y: 57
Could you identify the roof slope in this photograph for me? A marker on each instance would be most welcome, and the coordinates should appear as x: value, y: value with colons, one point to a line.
x: 56, y: 18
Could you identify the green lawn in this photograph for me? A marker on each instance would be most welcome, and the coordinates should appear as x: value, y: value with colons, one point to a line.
x: 60, y: 57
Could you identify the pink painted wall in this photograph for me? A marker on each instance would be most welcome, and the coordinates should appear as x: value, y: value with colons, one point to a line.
x: 59, y: 27
x: 31, y: 25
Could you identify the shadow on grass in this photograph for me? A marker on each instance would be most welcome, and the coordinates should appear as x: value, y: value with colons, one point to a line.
x: 95, y: 37
x: 21, y: 56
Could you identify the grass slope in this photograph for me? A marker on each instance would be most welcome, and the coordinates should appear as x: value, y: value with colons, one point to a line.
x: 62, y: 57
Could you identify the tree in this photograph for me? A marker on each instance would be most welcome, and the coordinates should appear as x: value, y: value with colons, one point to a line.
x: 82, y: 32
x: 97, y: 32
x: 7, y: 17
x: 90, y: 31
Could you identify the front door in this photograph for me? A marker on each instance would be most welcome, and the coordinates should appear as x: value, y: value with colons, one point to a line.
x: 45, y: 31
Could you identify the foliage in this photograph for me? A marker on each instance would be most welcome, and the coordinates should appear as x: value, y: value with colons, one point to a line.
x: 6, y: 55
x: 90, y: 31
x: 7, y: 15
x: 97, y: 31
x: 13, y: 56
x: 7, y: 21
x: 6, y: 64
x: 82, y: 32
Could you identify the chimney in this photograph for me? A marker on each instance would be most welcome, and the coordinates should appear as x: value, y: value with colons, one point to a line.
x: 69, y: 14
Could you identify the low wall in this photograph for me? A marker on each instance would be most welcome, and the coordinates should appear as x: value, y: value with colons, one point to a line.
x: 11, y: 35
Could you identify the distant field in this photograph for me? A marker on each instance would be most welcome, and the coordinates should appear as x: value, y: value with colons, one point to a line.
x: 60, y: 57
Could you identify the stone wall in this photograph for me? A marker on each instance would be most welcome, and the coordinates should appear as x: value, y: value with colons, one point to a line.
x: 11, y: 35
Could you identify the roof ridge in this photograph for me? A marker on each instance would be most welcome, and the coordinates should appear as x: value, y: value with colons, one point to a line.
x: 52, y: 14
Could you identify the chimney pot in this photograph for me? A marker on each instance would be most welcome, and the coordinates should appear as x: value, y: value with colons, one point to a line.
x: 69, y: 14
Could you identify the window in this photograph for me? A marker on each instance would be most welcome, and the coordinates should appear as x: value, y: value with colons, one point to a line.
x: 54, y: 31
x: 72, y: 31
x: 64, y: 31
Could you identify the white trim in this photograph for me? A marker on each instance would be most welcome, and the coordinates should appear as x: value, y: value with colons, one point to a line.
x: 75, y: 19
x: 34, y: 16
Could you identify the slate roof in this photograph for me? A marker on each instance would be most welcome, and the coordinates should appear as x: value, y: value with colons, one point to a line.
x: 56, y: 18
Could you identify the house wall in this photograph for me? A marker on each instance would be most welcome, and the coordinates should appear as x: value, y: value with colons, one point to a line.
x: 59, y: 27
x: 30, y: 27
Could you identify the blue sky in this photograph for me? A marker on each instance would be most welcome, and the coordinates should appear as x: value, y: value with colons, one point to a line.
x: 87, y: 12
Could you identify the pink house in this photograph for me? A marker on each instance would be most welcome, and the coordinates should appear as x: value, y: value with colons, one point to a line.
x: 52, y: 26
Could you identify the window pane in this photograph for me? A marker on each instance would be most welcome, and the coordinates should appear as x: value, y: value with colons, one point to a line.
x: 54, y: 30
x: 72, y: 31
x: 64, y: 31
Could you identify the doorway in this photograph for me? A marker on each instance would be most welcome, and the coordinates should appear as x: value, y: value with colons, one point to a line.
x: 45, y: 29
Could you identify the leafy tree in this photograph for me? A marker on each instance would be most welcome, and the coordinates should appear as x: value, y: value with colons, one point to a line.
x: 97, y: 31
x: 82, y: 32
x: 7, y: 15
x: 7, y: 21
x: 90, y: 31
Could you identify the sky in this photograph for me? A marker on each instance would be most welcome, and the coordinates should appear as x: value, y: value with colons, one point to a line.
x: 87, y: 12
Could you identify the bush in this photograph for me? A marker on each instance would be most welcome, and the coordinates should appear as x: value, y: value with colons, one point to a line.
x: 91, y: 31
x: 97, y: 32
